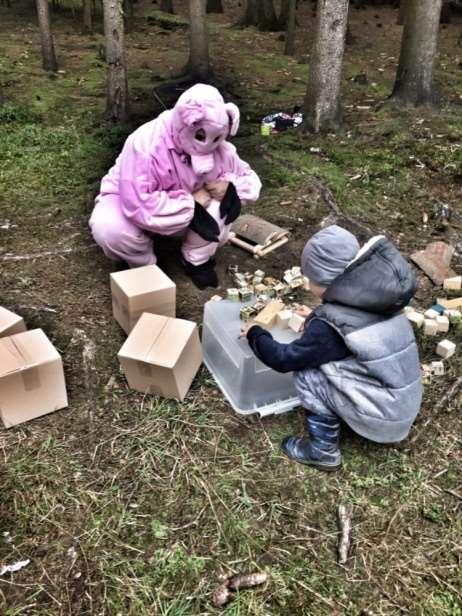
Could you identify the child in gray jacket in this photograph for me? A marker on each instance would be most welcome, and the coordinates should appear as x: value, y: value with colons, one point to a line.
x: 357, y: 359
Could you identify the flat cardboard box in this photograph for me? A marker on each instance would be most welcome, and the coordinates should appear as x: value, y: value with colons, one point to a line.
x: 31, y: 378
x: 161, y: 356
x: 10, y: 323
x: 138, y: 290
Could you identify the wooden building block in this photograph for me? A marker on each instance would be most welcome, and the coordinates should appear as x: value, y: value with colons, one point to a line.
x: 451, y: 304
x: 267, y: 317
x: 283, y: 318
x: 416, y: 318
x: 453, y: 284
x: 233, y: 294
x: 297, y: 322
x: 431, y: 314
x: 454, y: 316
x: 245, y: 294
x: 437, y: 368
x: 260, y: 288
x: 430, y: 327
x: 442, y: 323
x: 445, y: 349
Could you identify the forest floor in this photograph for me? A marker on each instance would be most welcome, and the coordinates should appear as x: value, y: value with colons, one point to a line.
x: 128, y: 505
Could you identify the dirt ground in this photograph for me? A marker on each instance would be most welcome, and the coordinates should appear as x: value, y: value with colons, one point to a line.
x: 134, y: 505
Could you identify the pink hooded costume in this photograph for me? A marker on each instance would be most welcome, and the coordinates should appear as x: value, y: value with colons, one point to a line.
x: 149, y: 189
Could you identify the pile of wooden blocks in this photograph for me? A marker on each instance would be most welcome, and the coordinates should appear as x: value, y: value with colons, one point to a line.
x: 248, y: 286
x: 273, y: 299
x: 438, y: 320
x: 284, y: 316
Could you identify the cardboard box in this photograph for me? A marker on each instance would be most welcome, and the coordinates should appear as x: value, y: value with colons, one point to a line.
x: 10, y: 323
x: 31, y: 378
x: 161, y: 356
x: 138, y: 290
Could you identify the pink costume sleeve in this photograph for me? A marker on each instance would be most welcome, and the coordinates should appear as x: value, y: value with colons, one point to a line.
x: 245, y: 180
x: 154, y: 210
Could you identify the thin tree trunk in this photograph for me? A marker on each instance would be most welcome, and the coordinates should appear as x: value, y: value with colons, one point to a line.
x: 46, y: 38
x: 87, y: 16
x: 267, y: 20
x: 284, y: 14
x: 402, y: 12
x: 117, y: 87
x: 291, y: 28
x: 414, y: 79
x: 214, y: 6
x: 199, y: 61
x: 251, y: 14
x: 322, y: 101
x: 167, y: 6
x: 446, y: 12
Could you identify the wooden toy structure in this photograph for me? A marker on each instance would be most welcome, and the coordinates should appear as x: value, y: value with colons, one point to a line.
x: 257, y: 236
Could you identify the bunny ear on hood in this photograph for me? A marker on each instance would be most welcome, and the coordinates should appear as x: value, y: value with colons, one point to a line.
x: 190, y: 112
x: 234, y: 117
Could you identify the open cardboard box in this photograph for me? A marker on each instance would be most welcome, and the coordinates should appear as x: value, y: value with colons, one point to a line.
x: 10, y: 323
x: 141, y: 289
x: 31, y: 378
x: 161, y: 356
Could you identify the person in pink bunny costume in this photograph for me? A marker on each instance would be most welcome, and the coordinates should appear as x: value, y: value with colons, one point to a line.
x: 176, y: 175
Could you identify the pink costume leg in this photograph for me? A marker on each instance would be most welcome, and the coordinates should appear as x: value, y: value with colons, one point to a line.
x: 197, y: 250
x: 119, y: 238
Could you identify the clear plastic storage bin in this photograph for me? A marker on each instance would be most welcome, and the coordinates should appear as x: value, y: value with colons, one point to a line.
x: 249, y: 385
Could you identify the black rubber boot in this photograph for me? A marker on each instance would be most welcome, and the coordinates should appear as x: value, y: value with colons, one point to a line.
x: 321, y: 448
x: 203, y: 276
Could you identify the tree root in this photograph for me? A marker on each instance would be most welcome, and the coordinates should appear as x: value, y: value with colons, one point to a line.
x: 338, y: 216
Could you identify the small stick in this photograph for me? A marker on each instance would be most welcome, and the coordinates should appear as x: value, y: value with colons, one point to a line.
x: 345, y: 513
x: 448, y: 395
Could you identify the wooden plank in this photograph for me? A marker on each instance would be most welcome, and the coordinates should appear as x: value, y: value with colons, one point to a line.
x: 256, y: 230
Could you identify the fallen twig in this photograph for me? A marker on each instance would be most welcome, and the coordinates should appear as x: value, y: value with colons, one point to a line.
x: 48, y: 253
x: 325, y: 195
x: 345, y: 513
x: 225, y: 592
x: 37, y: 308
x: 89, y: 367
x: 448, y: 395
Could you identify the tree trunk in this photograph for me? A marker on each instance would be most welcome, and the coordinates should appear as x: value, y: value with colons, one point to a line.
x: 402, y: 12
x: 322, y: 101
x: 87, y: 16
x: 251, y: 14
x: 214, y: 6
x: 167, y: 6
x: 199, y: 61
x: 291, y: 28
x: 267, y: 20
x: 446, y: 12
x: 414, y: 79
x: 46, y: 38
x: 284, y: 14
x: 117, y: 87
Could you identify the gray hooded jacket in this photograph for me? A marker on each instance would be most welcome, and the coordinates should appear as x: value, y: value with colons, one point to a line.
x: 377, y: 390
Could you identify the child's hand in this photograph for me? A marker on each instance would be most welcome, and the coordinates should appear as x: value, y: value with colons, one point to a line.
x: 303, y: 311
x: 245, y: 328
x: 202, y: 197
x: 217, y: 189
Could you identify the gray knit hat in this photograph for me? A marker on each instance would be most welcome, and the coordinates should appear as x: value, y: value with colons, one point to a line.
x: 327, y: 254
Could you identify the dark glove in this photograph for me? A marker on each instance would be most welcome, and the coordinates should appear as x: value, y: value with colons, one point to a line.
x: 230, y: 206
x: 204, y: 225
